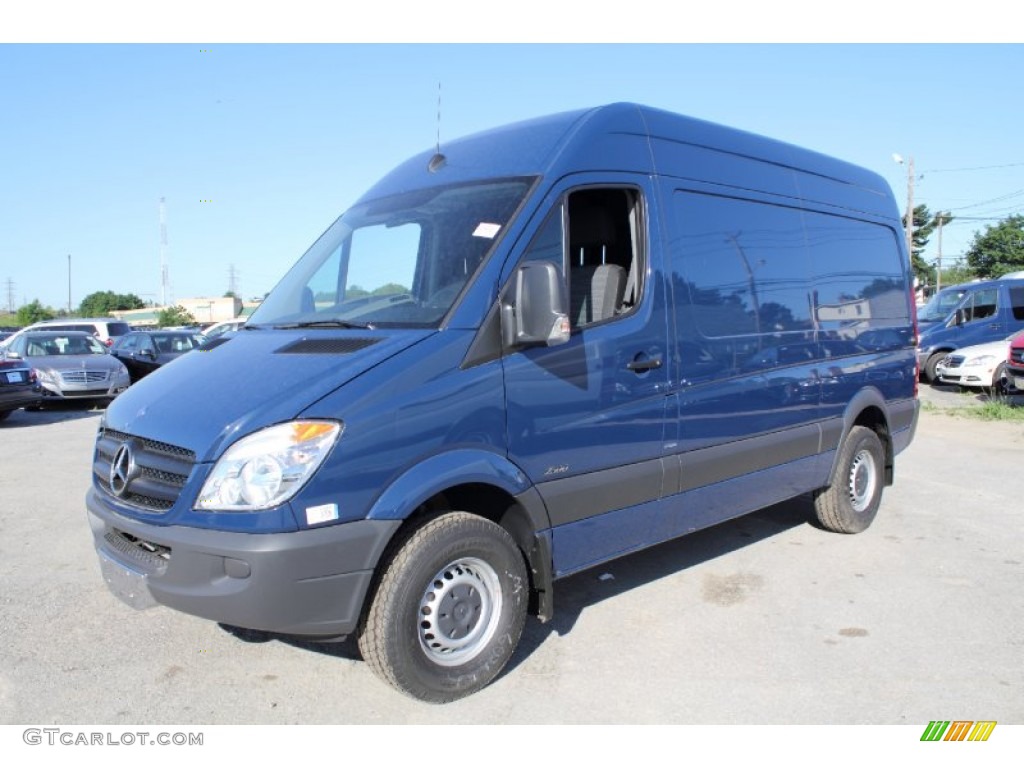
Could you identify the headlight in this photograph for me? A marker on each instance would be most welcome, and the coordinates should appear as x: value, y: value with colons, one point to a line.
x: 269, y: 467
x: 981, y: 360
x: 46, y: 376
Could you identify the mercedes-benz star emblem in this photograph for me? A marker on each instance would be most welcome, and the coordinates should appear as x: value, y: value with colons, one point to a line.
x: 122, y: 468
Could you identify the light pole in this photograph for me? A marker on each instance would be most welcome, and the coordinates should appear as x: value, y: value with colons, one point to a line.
x: 69, y: 283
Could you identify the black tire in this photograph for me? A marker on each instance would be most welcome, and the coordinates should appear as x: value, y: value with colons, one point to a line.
x: 4, y: 415
x: 448, y: 610
x: 850, y: 503
x: 998, y: 389
x: 928, y: 372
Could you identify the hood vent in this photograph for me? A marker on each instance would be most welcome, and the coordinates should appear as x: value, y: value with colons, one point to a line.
x: 344, y: 346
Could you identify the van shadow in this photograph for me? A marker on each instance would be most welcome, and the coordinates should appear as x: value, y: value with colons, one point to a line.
x: 574, y: 594
x: 52, y: 413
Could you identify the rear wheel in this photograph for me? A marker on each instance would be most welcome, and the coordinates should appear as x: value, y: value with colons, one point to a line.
x: 850, y: 503
x: 449, y: 609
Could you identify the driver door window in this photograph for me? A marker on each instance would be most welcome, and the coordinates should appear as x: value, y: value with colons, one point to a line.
x: 602, y: 259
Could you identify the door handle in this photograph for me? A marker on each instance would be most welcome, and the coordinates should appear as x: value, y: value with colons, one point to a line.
x: 649, y: 364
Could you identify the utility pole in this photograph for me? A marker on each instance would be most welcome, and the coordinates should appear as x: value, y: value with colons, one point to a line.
x: 10, y: 295
x: 910, y: 207
x: 69, y: 283
x: 909, y: 228
x: 232, y: 280
x: 163, y: 254
x: 938, y: 269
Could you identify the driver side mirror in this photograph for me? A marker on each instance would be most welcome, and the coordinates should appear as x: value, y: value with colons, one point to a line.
x: 533, y: 307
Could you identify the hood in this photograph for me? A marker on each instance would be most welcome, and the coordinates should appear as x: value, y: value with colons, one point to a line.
x: 206, y: 399
x: 999, y: 348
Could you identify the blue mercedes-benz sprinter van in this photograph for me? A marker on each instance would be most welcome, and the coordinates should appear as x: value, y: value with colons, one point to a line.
x: 543, y: 347
x: 987, y: 310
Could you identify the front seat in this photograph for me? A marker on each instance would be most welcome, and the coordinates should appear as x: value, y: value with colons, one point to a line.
x: 596, y: 292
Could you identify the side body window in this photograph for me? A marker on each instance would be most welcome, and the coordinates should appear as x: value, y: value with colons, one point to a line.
x: 741, y: 276
x: 760, y: 285
x: 1017, y: 303
x: 981, y: 305
x: 593, y: 237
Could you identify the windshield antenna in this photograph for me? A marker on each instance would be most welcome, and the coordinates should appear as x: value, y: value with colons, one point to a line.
x: 438, y: 160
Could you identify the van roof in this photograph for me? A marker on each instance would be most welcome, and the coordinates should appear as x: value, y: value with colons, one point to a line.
x: 634, y: 138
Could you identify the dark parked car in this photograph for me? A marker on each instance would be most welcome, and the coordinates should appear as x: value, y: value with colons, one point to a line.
x: 143, y: 352
x: 19, y: 386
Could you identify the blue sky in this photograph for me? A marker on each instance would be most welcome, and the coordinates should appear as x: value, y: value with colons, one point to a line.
x: 257, y: 148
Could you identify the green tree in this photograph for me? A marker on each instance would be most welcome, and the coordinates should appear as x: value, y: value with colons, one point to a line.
x: 102, y: 303
x: 33, y: 313
x: 959, y: 273
x: 170, y: 316
x: 999, y: 249
x: 390, y: 289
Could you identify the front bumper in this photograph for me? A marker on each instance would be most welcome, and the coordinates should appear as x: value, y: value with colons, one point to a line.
x: 1015, y: 377
x: 61, y: 390
x: 311, y: 582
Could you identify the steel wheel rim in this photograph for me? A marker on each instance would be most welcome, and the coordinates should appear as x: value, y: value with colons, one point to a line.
x: 459, y: 611
x: 863, y: 480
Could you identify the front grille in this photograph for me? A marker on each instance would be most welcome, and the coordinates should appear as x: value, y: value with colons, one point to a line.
x: 83, y: 393
x: 1017, y: 355
x: 83, y: 377
x: 955, y: 361
x: 160, y: 470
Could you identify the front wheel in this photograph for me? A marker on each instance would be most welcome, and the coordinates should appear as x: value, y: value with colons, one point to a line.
x: 928, y: 373
x: 449, y: 609
x: 850, y: 503
x: 998, y: 389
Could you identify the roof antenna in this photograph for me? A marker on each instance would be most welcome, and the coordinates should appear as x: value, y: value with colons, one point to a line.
x: 438, y: 160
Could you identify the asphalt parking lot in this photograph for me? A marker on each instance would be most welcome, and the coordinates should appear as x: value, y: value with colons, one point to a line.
x: 767, y: 619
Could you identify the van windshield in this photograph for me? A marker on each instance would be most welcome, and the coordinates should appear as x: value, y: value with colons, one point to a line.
x: 400, y: 261
x: 941, y: 304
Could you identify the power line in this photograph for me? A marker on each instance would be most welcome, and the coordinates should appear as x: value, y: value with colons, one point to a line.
x: 1007, y: 196
x: 976, y: 168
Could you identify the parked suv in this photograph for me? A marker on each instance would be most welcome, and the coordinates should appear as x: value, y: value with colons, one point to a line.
x: 990, y: 310
x: 1015, y: 363
x: 106, y: 329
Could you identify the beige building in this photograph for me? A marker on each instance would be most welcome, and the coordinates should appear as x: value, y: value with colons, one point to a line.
x: 204, y: 309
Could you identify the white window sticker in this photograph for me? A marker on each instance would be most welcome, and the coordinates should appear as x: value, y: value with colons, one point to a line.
x: 484, y: 229
x: 321, y: 514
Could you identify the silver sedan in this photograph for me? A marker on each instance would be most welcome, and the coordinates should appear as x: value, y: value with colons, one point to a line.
x: 71, y: 365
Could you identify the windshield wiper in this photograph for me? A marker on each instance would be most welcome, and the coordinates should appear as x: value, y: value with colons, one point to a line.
x: 328, y: 324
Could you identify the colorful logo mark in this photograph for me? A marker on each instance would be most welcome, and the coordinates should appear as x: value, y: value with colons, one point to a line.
x: 958, y: 730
